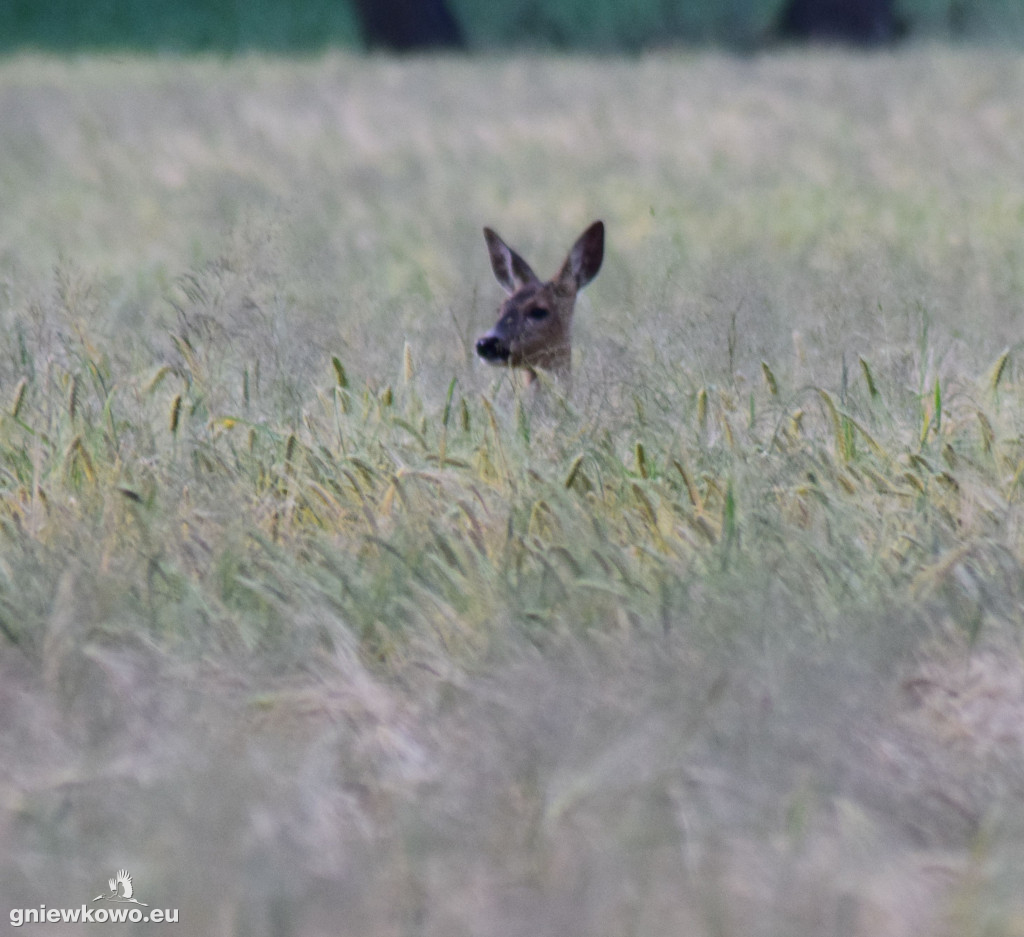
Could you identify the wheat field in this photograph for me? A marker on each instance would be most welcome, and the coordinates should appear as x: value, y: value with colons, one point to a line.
x: 318, y: 625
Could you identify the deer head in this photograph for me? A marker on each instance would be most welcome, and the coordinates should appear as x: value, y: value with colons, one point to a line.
x: 534, y: 327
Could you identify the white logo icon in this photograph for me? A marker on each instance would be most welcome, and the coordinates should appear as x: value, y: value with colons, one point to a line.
x: 121, y: 889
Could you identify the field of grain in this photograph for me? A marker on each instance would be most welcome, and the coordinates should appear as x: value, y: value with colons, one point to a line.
x: 319, y: 626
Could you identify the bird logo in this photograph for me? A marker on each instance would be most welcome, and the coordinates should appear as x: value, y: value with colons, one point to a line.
x: 121, y: 889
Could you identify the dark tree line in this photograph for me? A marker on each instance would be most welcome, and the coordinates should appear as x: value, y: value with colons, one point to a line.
x: 865, y: 22
x: 410, y: 25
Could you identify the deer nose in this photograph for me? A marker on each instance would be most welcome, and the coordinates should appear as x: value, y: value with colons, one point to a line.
x: 491, y: 348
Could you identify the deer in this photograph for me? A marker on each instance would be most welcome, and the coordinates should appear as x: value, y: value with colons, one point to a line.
x: 534, y: 327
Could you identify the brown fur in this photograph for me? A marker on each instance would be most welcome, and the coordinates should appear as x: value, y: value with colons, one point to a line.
x: 534, y: 327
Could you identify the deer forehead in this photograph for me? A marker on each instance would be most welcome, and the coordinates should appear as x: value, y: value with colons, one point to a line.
x: 533, y: 296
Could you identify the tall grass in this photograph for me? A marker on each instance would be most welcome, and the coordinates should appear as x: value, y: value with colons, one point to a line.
x: 317, y: 625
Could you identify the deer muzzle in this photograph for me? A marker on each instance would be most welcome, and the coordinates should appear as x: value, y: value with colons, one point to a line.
x: 493, y: 349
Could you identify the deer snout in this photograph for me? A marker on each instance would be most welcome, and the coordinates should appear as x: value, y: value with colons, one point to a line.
x: 492, y: 349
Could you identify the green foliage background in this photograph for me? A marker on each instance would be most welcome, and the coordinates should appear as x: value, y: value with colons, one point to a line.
x: 591, y: 25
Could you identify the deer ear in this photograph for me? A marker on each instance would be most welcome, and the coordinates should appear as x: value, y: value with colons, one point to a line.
x: 511, y: 270
x: 584, y: 259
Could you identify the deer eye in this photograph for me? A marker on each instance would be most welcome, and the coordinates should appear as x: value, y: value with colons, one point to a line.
x: 538, y: 312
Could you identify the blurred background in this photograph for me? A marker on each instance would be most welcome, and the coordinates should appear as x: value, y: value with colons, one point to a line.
x: 405, y: 25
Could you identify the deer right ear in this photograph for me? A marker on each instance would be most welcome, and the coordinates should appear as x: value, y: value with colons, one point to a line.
x: 585, y: 258
x: 511, y: 271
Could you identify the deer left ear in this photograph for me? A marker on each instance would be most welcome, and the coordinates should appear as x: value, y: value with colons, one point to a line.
x: 510, y: 270
x: 584, y: 260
